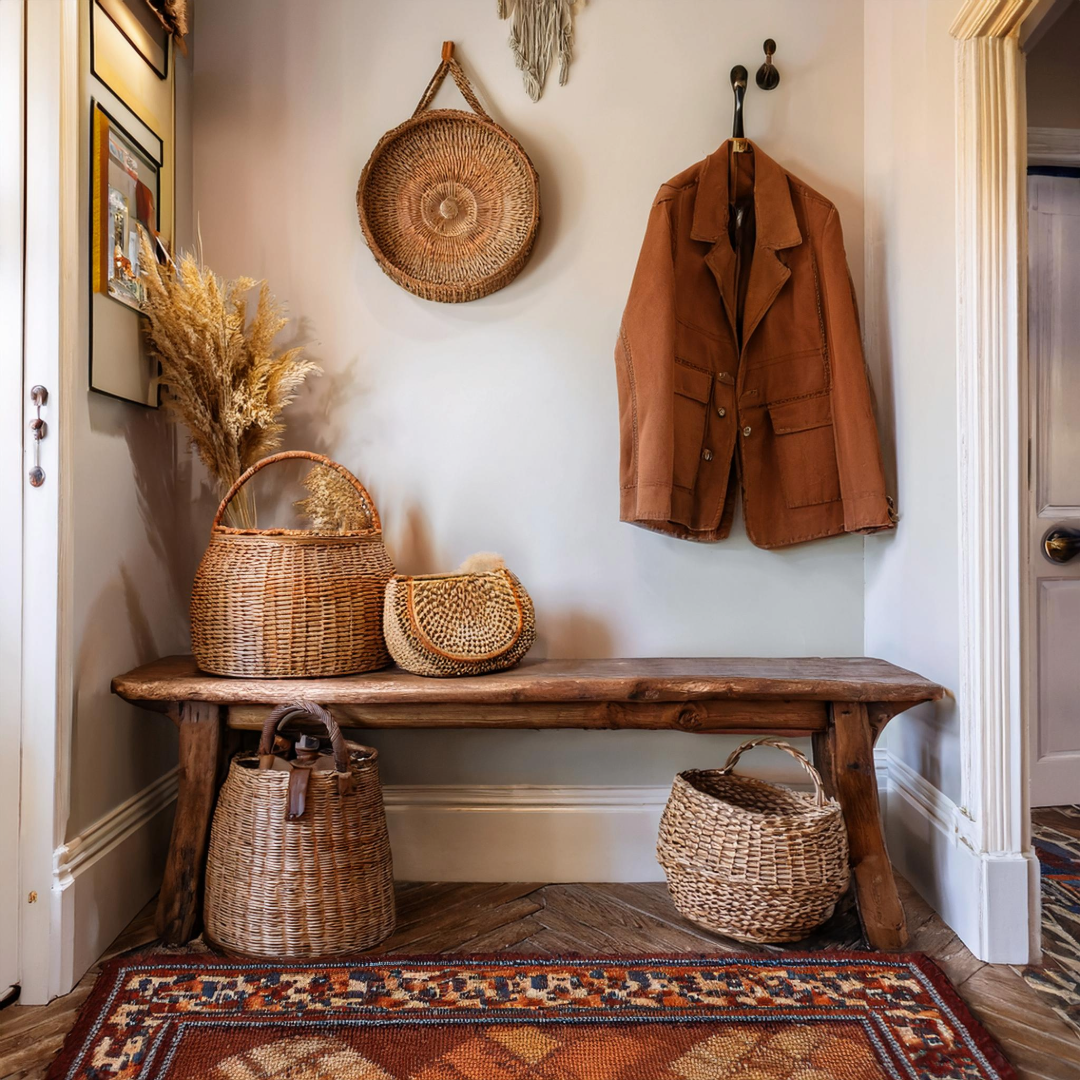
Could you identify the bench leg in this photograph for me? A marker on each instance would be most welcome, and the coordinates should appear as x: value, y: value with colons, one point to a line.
x: 845, y: 755
x: 200, y: 743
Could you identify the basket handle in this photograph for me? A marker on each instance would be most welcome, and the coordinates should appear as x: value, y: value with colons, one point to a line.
x: 280, y: 716
x: 285, y: 455
x: 769, y: 740
x: 449, y: 64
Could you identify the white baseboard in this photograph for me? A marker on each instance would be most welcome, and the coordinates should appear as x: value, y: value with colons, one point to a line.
x: 531, y: 833
x: 524, y: 833
x: 990, y: 900
x: 104, y: 876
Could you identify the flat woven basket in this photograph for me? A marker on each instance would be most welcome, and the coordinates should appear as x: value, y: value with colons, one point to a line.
x: 449, y: 201
x: 459, y: 624
x: 317, y: 885
x: 751, y: 860
x: 291, y: 603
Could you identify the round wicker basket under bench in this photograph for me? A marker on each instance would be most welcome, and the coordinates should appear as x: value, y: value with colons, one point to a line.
x: 843, y: 704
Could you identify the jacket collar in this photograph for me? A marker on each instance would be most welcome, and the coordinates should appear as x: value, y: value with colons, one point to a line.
x: 775, y: 225
x: 773, y: 213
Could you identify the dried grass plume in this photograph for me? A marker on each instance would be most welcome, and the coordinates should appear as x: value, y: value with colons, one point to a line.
x: 221, y: 376
x: 333, y: 505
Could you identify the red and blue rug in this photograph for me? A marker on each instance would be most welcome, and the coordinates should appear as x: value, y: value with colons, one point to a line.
x: 826, y: 1017
x: 1057, y: 978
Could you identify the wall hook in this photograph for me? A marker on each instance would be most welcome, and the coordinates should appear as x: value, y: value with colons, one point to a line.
x: 738, y: 87
x: 768, y: 78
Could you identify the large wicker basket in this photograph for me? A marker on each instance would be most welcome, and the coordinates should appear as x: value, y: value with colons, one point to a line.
x: 751, y: 860
x: 449, y: 202
x: 318, y: 884
x: 291, y: 603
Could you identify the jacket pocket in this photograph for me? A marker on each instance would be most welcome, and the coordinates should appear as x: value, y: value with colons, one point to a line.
x: 693, y: 388
x: 806, y: 451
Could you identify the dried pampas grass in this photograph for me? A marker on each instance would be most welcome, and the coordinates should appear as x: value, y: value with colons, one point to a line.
x: 220, y: 373
x: 333, y: 505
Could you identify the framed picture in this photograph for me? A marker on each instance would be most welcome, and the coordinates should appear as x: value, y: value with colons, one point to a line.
x: 136, y: 23
x: 125, y: 198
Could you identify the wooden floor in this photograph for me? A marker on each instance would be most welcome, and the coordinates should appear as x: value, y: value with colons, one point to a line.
x: 552, y: 919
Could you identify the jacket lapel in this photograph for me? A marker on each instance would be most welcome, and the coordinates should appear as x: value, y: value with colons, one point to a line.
x: 776, y: 229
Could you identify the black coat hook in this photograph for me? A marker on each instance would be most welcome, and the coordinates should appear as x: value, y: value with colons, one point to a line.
x: 768, y: 78
x: 738, y: 86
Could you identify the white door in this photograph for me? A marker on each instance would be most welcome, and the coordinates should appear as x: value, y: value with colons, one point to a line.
x: 1053, y: 510
x: 11, y: 475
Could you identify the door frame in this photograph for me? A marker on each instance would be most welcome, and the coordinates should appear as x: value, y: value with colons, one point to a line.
x: 12, y: 106
x: 992, y: 425
x: 42, y: 555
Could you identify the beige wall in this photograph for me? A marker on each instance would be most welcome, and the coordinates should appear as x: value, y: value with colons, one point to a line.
x: 912, y: 598
x: 493, y: 425
x: 1053, y: 74
x: 134, y: 541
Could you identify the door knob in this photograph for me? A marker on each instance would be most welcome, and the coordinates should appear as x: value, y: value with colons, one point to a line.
x: 1061, y: 544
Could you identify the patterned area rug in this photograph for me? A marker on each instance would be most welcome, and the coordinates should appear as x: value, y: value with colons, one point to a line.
x: 797, y: 1018
x: 1057, y: 979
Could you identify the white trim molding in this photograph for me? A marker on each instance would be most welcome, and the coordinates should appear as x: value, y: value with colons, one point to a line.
x: 104, y: 876
x: 993, y: 817
x: 460, y: 832
x: 1053, y: 146
x: 988, y: 899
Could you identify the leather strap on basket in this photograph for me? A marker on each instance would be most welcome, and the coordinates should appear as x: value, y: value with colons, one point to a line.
x: 286, y: 455
x: 769, y: 740
x: 449, y: 64
x: 279, y: 717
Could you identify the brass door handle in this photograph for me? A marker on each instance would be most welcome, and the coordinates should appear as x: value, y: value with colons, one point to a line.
x: 1061, y: 545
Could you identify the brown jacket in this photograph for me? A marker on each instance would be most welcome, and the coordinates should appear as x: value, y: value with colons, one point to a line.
x: 739, y: 364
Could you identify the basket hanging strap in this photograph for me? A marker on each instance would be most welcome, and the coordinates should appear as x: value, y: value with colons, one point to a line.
x: 769, y: 740
x: 286, y: 455
x: 277, y: 719
x: 449, y: 64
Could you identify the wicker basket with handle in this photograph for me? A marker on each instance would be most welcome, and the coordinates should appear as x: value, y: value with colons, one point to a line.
x: 290, y: 603
x: 310, y: 877
x: 752, y: 860
x: 449, y: 202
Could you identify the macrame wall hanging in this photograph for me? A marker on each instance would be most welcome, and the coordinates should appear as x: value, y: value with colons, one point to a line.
x: 538, y: 30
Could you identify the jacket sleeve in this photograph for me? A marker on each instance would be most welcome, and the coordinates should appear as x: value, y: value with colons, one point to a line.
x: 644, y: 364
x: 858, y: 452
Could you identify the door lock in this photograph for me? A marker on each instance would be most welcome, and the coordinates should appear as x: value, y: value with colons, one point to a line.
x: 1061, y: 544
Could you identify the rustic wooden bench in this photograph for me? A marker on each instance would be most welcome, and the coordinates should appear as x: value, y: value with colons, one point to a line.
x: 843, y: 704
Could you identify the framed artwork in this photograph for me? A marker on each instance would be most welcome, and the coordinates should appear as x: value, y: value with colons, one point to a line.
x: 125, y: 197
x: 134, y: 21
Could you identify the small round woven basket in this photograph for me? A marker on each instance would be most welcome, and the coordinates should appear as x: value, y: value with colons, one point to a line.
x: 449, y: 201
x: 751, y: 860
x: 291, y: 603
x: 315, y: 884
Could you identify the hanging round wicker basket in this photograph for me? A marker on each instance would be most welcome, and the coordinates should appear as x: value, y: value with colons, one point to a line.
x: 449, y: 201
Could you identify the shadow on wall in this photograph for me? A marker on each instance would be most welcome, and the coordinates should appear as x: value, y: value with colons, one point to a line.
x: 175, y: 514
x: 572, y: 632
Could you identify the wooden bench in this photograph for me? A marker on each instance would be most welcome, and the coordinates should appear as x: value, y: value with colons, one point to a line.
x: 843, y: 704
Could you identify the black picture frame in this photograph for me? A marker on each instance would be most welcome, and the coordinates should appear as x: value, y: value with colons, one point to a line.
x: 106, y: 7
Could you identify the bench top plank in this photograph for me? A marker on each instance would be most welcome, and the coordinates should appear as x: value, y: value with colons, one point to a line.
x: 857, y: 679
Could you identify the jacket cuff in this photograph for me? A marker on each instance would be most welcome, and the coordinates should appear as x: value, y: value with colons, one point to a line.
x: 867, y: 513
x: 645, y: 503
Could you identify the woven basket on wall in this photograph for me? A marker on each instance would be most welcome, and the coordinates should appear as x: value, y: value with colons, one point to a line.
x: 449, y: 202
x: 316, y: 885
x: 468, y: 623
x: 751, y: 860
x: 281, y: 603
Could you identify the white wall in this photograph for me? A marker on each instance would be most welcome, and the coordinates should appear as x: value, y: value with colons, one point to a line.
x: 912, y: 612
x: 493, y: 425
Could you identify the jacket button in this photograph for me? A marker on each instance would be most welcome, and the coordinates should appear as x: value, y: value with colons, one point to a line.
x: 721, y: 411
x: 746, y: 430
x: 707, y: 455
